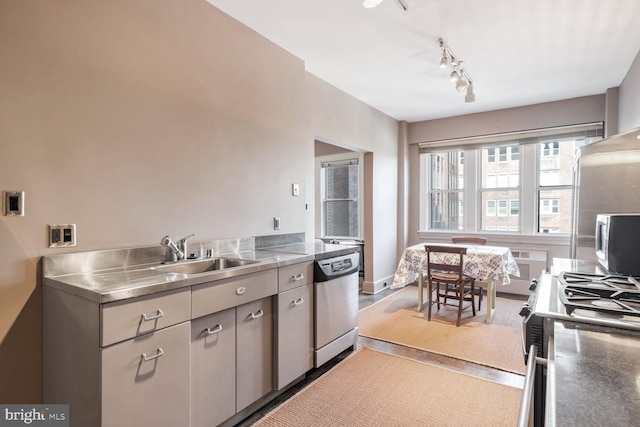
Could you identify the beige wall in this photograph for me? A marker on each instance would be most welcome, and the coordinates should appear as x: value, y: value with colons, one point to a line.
x: 629, y: 116
x: 340, y: 119
x: 138, y: 119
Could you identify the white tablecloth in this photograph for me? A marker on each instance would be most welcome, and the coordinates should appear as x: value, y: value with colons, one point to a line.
x: 484, y: 263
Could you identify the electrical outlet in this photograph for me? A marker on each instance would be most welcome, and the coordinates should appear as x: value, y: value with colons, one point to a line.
x: 13, y: 203
x: 61, y: 235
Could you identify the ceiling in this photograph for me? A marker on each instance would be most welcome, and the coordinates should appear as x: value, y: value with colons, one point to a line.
x: 518, y: 52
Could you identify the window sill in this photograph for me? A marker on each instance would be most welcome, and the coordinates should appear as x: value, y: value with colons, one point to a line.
x: 513, y: 240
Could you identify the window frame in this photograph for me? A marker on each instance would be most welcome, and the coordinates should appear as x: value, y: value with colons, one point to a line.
x: 338, y: 159
x: 528, y: 153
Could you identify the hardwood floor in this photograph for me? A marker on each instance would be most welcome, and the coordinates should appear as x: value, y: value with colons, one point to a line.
x: 484, y: 372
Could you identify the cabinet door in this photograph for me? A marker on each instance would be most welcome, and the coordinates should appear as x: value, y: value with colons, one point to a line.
x: 295, y: 334
x: 254, y: 344
x: 145, y: 380
x: 213, y: 368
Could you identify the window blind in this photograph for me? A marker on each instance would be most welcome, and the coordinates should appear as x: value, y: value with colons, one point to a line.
x: 586, y: 131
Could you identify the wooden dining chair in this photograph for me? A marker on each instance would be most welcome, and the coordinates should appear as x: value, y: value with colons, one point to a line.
x: 479, y: 285
x: 469, y: 239
x: 447, y: 272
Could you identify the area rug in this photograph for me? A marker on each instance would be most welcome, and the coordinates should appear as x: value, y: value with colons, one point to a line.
x: 498, y: 344
x: 376, y: 389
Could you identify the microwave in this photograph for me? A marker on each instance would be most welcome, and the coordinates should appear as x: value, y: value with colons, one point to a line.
x: 618, y: 243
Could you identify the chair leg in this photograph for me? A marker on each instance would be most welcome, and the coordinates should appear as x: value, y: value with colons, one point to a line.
x: 430, y: 290
x: 473, y: 295
x: 460, y: 299
x: 480, y: 299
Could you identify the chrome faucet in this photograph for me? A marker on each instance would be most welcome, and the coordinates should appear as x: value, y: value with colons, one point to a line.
x: 182, y: 246
x: 175, y: 252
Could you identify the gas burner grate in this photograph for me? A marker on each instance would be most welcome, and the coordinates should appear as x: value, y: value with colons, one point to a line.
x: 599, y: 280
x: 600, y: 299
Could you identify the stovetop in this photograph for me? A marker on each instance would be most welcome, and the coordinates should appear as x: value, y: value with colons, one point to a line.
x: 598, y: 299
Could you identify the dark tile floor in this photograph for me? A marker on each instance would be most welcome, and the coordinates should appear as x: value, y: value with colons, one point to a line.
x: 433, y: 359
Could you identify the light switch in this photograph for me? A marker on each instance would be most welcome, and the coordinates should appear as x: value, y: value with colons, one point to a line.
x: 13, y: 203
x: 295, y: 189
x: 276, y: 223
x: 61, y: 235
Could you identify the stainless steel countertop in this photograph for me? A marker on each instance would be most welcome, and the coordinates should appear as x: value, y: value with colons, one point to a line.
x: 597, y: 375
x: 114, y: 284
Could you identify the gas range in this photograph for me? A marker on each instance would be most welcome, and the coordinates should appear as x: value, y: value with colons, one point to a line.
x: 597, y: 299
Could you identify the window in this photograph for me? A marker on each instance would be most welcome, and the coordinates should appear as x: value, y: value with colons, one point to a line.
x: 515, y: 153
x: 445, y: 196
x: 491, y: 208
x: 491, y: 155
x: 340, y: 198
x: 501, y: 184
x: 549, y: 206
x: 521, y: 182
x: 502, y: 156
x: 550, y: 148
x: 502, y: 208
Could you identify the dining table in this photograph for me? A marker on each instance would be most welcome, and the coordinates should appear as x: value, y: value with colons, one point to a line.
x: 488, y: 265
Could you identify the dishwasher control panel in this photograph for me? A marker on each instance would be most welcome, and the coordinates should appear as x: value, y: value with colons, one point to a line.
x: 331, y: 268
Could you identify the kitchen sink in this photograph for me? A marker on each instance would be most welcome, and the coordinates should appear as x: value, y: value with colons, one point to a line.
x: 203, y: 266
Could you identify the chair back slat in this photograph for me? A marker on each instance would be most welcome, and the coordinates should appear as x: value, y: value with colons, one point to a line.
x: 469, y: 239
x: 439, y: 266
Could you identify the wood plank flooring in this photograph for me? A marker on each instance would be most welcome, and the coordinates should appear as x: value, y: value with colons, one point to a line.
x: 495, y: 375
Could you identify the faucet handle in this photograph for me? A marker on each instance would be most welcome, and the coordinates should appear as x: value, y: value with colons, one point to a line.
x: 184, y: 239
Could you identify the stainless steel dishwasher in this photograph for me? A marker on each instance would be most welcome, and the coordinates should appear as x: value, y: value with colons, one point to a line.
x: 336, y: 306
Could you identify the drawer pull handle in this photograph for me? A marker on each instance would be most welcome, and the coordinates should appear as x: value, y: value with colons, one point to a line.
x: 298, y: 301
x: 240, y: 291
x: 215, y: 330
x: 298, y: 277
x: 158, y: 315
x: 259, y: 313
x: 146, y: 358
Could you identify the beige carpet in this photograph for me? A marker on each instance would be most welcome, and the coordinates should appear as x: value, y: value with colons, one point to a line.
x: 499, y: 344
x: 375, y: 389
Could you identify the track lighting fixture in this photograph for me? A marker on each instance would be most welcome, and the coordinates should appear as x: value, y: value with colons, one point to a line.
x: 459, y: 74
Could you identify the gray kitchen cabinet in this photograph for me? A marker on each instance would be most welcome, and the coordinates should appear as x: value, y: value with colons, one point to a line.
x: 294, y: 330
x: 142, y: 379
x: 254, y: 358
x: 294, y: 334
x: 213, y: 372
x: 145, y: 380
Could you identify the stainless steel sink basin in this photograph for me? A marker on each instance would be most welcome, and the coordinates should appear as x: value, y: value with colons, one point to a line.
x: 202, y: 266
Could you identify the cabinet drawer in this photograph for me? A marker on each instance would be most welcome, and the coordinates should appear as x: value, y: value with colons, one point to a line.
x: 292, y: 276
x: 145, y: 380
x: 222, y: 294
x: 127, y: 319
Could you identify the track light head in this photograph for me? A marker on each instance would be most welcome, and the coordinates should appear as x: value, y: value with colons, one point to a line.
x: 470, y: 96
x: 454, y: 76
x: 371, y: 3
x: 444, y: 62
x: 461, y: 85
